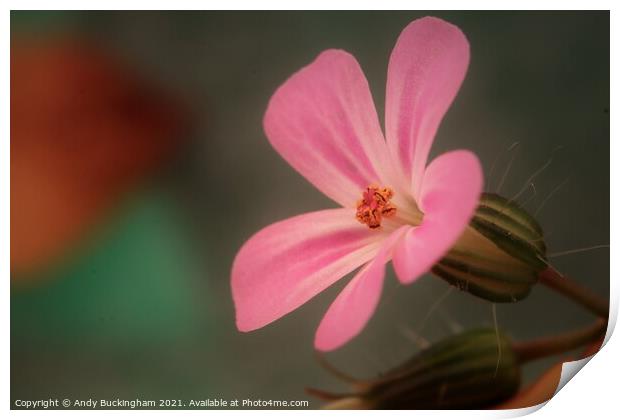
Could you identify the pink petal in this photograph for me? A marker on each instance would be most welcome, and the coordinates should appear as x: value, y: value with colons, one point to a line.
x: 322, y: 120
x: 354, y: 306
x: 287, y: 263
x: 449, y: 196
x: 426, y: 69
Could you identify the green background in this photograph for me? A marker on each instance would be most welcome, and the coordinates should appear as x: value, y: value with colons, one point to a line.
x: 143, y: 308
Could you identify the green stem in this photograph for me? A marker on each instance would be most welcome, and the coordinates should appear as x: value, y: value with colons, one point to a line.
x: 544, y: 347
x: 574, y: 291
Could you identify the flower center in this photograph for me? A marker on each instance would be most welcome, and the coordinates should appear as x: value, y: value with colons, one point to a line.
x: 374, y: 206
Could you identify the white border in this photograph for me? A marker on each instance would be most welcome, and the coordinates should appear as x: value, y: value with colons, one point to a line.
x: 593, y: 394
x: 313, y: 5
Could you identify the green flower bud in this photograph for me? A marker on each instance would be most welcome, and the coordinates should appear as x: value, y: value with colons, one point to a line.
x: 499, y: 256
x: 470, y: 370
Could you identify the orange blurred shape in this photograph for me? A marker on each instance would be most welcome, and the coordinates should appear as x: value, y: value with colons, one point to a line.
x: 84, y: 130
x: 544, y: 387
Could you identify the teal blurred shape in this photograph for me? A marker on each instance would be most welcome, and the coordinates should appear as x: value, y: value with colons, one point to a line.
x: 133, y: 281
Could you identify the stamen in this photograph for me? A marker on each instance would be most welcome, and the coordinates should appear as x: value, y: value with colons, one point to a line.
x: 374, y: 206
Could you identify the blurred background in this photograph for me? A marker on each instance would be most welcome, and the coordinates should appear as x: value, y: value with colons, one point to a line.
x: 137, y: 150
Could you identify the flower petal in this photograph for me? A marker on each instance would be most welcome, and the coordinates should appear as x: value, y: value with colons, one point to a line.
x: 426, y: 69
x: 449, y: 196
x: 354, y: 306
x: 322, y: 120
x: 287, y: 263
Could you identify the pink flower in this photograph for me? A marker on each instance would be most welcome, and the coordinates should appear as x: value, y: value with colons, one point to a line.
x: 322, y: 120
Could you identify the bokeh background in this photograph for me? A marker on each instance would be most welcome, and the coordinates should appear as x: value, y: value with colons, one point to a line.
x: 139, y: 167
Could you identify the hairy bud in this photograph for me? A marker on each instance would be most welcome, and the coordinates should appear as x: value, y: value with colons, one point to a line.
x: 476, y: 369
x: 499, y: 256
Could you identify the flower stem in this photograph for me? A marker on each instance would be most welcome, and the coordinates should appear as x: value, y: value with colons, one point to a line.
x: 574, y: 291
x: 549, y: 346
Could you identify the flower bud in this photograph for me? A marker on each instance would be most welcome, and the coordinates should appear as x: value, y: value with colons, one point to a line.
x: 470, y: 370
x: 500, y: 254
